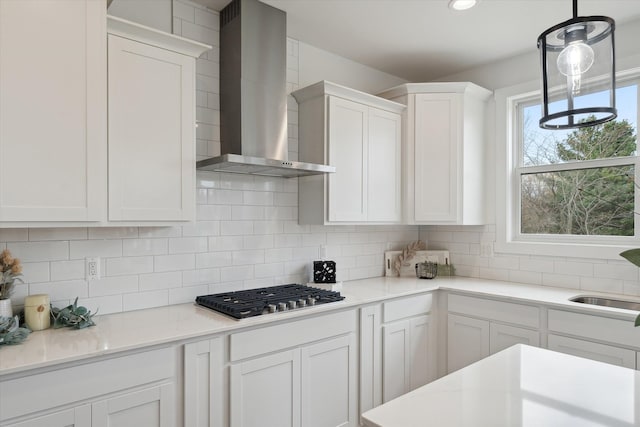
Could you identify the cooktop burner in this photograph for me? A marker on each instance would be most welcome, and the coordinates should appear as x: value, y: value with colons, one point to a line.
x: 254, y: 302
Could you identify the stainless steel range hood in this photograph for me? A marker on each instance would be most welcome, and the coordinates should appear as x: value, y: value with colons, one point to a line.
x: 253, y: 94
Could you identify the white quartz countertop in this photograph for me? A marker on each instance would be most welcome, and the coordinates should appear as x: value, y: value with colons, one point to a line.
x: 520, y: 386
x: 142, y: 328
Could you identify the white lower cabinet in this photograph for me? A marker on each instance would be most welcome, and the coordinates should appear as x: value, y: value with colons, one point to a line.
x: 594, y: 351
x: 468, y: 341
x: 406, y: 356
x: 204, y: 392
x: 299, y: 373
x: 266, y: 391
x: 504, y: 336
x: 132, y: 390
x: 599, y: 338
x: 329, y: 383
x: 153, y: 407
x: 397, y: 348
x: 75, y: 417
x: 478, y: 327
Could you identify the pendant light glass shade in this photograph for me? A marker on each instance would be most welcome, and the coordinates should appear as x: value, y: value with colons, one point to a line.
x: 578, y: 72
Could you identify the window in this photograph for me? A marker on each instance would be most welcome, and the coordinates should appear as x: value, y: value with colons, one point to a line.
x: 570, y: 187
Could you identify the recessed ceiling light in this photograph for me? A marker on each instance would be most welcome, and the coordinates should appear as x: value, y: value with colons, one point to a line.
x: 462, y: 4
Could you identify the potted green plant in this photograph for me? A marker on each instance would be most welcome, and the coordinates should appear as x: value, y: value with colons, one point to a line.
x: 10, y: 272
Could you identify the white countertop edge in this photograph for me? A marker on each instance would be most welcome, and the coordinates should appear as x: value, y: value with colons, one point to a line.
x: 134, y: 330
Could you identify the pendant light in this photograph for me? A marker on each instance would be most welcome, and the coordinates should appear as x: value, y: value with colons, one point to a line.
x: 578, y: 59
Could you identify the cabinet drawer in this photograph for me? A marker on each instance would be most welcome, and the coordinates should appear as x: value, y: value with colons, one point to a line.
x: 291, y: 334
x: 615, y: 331
x: 407, y: 307
x: 32, y: 393
x: 594, y: 351
x: 518, y: 314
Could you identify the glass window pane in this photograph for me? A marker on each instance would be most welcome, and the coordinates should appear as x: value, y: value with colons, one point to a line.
x: 597, y: 201
x: 613, y: 139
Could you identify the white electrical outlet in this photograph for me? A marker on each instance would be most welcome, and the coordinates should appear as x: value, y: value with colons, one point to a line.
x: 486, y: 249
x: 93, y: 268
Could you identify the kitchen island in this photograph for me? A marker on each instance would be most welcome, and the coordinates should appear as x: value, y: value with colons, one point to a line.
x: 520, y: 386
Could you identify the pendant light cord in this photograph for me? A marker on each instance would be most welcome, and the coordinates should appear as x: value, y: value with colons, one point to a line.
x: 575, y: 9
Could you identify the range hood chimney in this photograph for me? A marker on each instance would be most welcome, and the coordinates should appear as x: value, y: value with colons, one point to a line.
x: 253, y: 94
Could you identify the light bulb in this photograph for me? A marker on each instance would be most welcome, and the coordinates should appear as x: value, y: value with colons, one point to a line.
x: 462, y: 4
x: 575, y: 59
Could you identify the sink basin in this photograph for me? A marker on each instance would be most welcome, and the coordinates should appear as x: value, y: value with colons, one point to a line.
x: 607, y: 302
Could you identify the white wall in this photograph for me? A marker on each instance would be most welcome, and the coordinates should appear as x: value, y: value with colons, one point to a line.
x: 246, y: 234
x: 466, y: 243
x: 317, y: 64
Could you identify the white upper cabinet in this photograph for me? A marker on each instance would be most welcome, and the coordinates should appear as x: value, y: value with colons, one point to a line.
x: 151, y: 124
x: 53, y: 101
x: 443, y: 152
x: 359, y: 134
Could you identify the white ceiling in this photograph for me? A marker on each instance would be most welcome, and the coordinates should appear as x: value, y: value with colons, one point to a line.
x: 422, y: 40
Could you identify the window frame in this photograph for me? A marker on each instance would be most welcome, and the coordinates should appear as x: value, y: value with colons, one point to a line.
x: 508, y: 183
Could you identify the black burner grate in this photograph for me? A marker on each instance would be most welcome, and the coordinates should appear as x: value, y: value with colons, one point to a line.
x: 254, y: 302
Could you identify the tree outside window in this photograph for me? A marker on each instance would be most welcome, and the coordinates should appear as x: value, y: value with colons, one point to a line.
x: 580, y: 182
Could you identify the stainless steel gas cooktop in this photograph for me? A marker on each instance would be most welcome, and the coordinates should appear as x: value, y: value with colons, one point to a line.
x: 254, y: 302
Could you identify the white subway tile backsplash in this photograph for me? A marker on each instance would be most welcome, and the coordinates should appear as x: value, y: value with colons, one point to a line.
x: 214, y: 259
x: 198, y: 33
x: 226, y: 243
x: 258, y: 242
x: 187, y: 294
x: 102, y: 305
x: 66, y: 290
x: 142, y: 300
x: 236, y: 273
x: 615, y: 286
x: 186, y: 245
x: 139, y: 247
x: 113, y: 286
x: 224, y: 197
x: 236, y: 228
x: 33, y: 272
x: 248, y: 257
x: 156, y: 281
x: 95, y: 248
x: 128, y: 265
x: 39, y: 251
x: 67, y: 270
x: 174, y: 262
x: 200, y: 276
x: 213, y: 212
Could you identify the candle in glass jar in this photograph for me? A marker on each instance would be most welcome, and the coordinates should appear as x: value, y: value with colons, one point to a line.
x: 37, y: 312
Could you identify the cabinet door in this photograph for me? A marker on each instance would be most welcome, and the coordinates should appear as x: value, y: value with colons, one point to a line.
x: 384, y: 174
x: 204, y: 384
x: 75, y: 417
x: 266, y: 391
x: 151, y: 133
x: 436, y: 160
x: 329, y: 390
x: 503, y: 336
x: 396, y: 359
x: 153, y: 407
x: 52, y: 110
x: 591, y: 350
x: 467, y: 341
x: 348, y: 135
x: 370, y: 358
x: 422, y: 355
